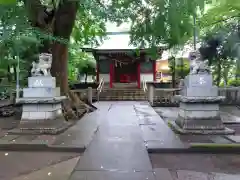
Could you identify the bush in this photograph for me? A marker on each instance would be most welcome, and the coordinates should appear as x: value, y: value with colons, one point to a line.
x: 234, y: 82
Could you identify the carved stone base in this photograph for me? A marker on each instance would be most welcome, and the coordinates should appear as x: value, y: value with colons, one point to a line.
x: 196, y: 124
x: 52, y: 127
x: 203, y: 100
x: 202, y: 131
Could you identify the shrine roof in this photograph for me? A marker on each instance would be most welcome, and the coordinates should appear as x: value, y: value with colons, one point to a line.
x: 116, y: 42
x: 99, y: 51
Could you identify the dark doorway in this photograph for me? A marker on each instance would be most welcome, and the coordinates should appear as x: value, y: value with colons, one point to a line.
x: 126, y: 73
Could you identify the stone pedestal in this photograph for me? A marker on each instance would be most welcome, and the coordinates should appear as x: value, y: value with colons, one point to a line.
x: 41, y: 107
x: 150, y: 94
x: 199, y: 107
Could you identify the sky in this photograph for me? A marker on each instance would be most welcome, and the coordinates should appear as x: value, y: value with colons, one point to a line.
x: 120, y: 41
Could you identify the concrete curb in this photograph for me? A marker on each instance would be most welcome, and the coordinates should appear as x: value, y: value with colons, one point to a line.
x: 39, y: 148
x: 200, y: 148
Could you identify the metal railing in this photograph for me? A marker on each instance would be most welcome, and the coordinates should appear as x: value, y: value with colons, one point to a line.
x: 165, y: 96
x: 99, y: 88
x: 144, y: 85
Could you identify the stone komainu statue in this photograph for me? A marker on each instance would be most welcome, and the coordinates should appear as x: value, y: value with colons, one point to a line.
x: 42, y: 68
x: 198, y: 64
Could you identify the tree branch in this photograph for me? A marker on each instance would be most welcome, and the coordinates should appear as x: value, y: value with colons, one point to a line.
x: 223, y: 20
x: 35, y: 10
x: 65, y: 18
x: 37, y: 13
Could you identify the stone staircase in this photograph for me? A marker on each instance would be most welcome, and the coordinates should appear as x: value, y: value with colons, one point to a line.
x: 122, y: 94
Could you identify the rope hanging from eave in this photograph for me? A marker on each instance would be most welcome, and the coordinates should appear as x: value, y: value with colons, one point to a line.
x: 120, y: 63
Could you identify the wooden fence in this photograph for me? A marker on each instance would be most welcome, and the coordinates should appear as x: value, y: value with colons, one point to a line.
x: 165, y: 96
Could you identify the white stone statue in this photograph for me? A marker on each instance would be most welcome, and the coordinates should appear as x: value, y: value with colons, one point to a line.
x: 42, y: 68
x: 198, y: 65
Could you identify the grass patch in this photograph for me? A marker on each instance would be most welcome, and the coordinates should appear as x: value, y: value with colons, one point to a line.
x: 214, y: 145
x: 169, y: 124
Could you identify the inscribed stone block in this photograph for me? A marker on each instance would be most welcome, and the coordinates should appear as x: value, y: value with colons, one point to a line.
x: 42, y: 81
x: 198, y: 80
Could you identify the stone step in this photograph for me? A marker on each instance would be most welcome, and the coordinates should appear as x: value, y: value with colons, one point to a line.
x: 115, y: 89
x: 121, y: 97
x: 122, y: 94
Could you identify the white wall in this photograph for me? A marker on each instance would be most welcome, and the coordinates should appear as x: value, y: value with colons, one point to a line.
x: 106, y: 77
x: 89, y: 78
x: 146, y: 77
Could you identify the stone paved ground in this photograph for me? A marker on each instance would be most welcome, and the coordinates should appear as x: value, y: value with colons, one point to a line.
x: 59, y: 171
x: 117, y: 151
x: 205, y: 163
x: 13, y: 164
x: 230, y: 116
x: 79, y: 135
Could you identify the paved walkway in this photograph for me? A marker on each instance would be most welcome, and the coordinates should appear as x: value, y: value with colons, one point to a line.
x: 117, y: 151
x: 116, y: 136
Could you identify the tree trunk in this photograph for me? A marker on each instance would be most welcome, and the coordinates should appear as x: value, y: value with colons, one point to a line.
x: 218, y: 79
x: 63, y: 25
x: 86, y: 76
x: 15, y: 72
x: 173, y: 73
x: 9, y: 75
x: 225, y: 77
x: 237, y: 74
x: 60, y: 66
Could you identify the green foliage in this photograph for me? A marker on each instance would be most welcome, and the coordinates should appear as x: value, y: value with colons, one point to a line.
x: 8, y: 1
x: 220, y: 12
x: 17, y: 40
x: 234, y: 82
x: 220, y: 24
x: 153, y: 23
x: 164, y: 22
x: 179, y: 67
x: 79, y: 63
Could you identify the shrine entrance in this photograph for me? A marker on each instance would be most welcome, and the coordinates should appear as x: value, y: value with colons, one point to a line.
x: 126, y: 68
x: 125, y: 72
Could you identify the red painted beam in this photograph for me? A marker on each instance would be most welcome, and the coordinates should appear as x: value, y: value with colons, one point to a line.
x: 154, y: 70
x: 97, y: 72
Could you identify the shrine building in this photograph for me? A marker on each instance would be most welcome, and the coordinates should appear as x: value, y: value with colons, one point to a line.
x: 122, y: 64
